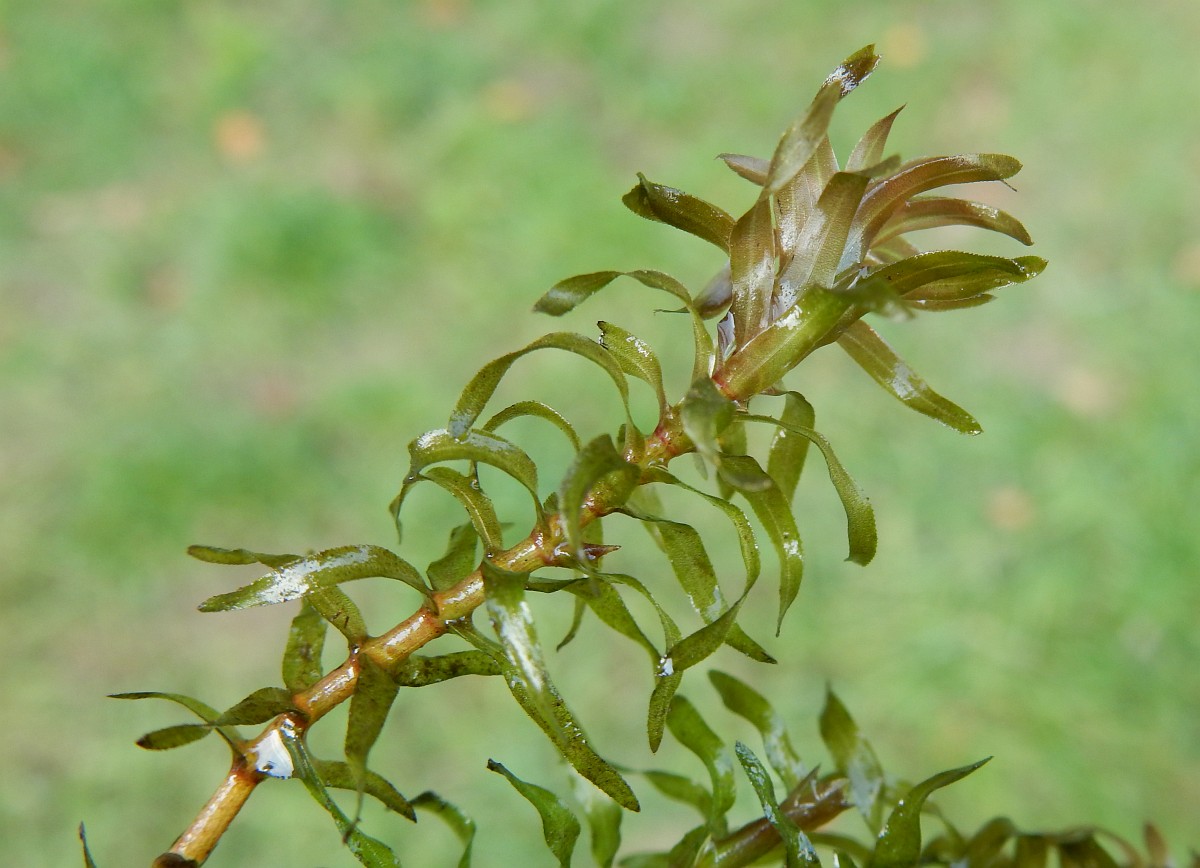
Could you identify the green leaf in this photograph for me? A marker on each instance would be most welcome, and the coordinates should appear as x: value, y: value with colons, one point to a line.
x: 855, y: 758
x: 899, y: 843
x: 869, y: 149
x: 238, y: 557
x: 373, y: 696
x: 173, y: 736
x: 602, y: 598
x: 421, y: 671
x: 1086, y: 853
x: 538, y: 410
x: 479, y: 391
x: 303, y: 576
x: 946, y: 275
x: 798, y: 848
x: 932, y: 212
x: 202, y: 710
x: 604, y: 822
x: 88, y: 862
x: 302, y: 658
x: 744, y: 701
x: 459, y: 560
x: 536, y: 694
x: 259, y: 707
x: 877, y: 358
x: 887, y: 195
x: 676, y: 208
x: 635, y: 358
x: 785, y: 462
x: 775, y: 513
x: 341, y: 776
x: 368, y: 851
x: 440, y: 445
x: 560, y: 828
x: 339, y: 610
x: 462, y: 825
x: 692, y: 732
x: 478, y: 506
x: 752, y: 270
x: 860, y: 517
x: 597, y: 465
x: 706, y: 414
x: 565, y: 295
x: 681, y: 789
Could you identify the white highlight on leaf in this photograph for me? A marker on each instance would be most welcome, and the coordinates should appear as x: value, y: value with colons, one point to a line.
x: 271, y: 756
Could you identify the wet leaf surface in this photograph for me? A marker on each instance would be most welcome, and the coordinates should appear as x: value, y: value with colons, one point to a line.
x: 560, y: 828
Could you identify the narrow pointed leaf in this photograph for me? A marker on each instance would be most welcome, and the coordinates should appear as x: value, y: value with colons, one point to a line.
x: 899, y: 843
x: 259, y: 707
x: 478, y: 506
x: 889, y: 194
x: 173, y: 736
x: 538, y: 410
x: 947, y: 274
x: 604, y: 822
x: 878, y: 359
x: 681, y: 789
x: 336, y: 607
x: 88, y: 861
x: 860, y: 517
x: 717, y: 294
x: 775, y: 513
x: 821, y: 249
x: 440, y: 445
x: 596, y: 463
x: 325, y: 569
x: 373, y: 696
x: 576, y: 622
x: 932, y: 212
x: 549, y: 712
x: 869, y: 149
x: 421, y: 671
x: 368, y: 850
x: 744, y: 701
x: 560, y: 828
x: 706, y: 414
x: 855, y: 758
x: 938, y: 305
x: 753, y: 169
x: 240, y: 557
x: 635, y: 358
x: 676, y: 208
x: 459, y: 560
x: 662, y: 699
x: 690, y: 730
x: 603, y: 599
x: 462, y: 825
x: 302, y: 658
x: 482, y: 386
x: 797, y: 847
x: 752, y: 270
x: 339, y: 775
x: 785, y: 462
x: 567, y: 294
x: 795, y: 202
x: 202, y: 710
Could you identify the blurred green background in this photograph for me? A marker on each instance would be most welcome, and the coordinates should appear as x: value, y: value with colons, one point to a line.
x: 248, y: 251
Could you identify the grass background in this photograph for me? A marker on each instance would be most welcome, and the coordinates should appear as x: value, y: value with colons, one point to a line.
x: 248, y: 251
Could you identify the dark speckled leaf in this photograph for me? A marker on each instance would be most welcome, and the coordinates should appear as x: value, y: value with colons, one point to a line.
x: 302, y: 658
x: 336, y: 607
x: 560, y: 828
x: 899, y: 842
x: 462, y: 825
x: 676, y: 208
x: 420, y: 671
x: 877, y: 358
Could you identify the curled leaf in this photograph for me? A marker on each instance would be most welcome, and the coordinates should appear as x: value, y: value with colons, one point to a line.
x: 676, y: 208
x: 635, y: 357
x: 462, y: 825
x: 560, y: 828
x: 459, y: 559
x: 340, y: 776
x: 374, y: 693
x: 785, y: 462
x: 538, y: 410
x: 302, y: 657
x: 932, y: 212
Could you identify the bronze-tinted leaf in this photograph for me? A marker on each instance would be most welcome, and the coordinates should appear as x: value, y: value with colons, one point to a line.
x: 462, y: 825
x: 899, y: 843
x: 302, y: 658
x: 935, y: 211
x: 676, y: 208
x: 878, y: 359
x: 869, y: 149
x: 855, y: 759
x: 753, y: 169
x: 752, y: 270
x: 560, y: 828
x: 946, y: 274
x: 794, y: 203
